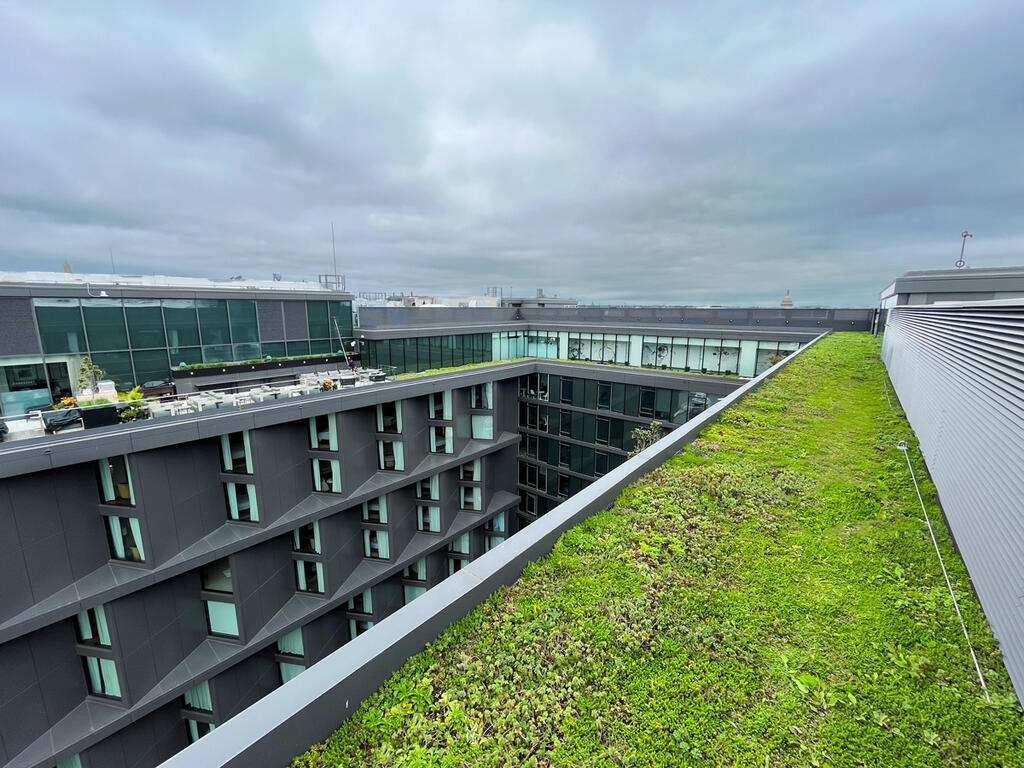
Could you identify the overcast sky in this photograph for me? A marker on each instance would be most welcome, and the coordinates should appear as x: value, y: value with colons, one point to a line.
x: 682, y: 152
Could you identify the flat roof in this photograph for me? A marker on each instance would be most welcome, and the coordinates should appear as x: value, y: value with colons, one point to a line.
x: 89, y: 284
x: 981, y: 279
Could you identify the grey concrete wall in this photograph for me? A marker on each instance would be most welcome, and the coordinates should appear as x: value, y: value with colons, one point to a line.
x: 959, y: 373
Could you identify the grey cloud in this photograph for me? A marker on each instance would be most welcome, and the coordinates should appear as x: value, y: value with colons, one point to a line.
x: 623, y: 153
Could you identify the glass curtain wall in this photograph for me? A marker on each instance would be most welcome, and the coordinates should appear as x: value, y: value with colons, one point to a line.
x: 138, y: 341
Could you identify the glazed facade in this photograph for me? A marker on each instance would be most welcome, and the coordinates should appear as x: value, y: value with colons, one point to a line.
x: 138, y: 339
x: 745, y: 357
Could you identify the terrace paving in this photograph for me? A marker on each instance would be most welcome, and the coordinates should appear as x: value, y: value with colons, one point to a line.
x: 769, y: 597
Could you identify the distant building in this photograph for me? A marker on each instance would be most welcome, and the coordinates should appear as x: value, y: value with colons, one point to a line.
x: 136, y: 328
x: 540, y: 300
x: 787, y: 301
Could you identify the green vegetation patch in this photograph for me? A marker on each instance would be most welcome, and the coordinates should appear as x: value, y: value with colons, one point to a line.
x: 769, y: 597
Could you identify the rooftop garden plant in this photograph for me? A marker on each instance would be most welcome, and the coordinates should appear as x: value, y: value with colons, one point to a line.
x: 769, y: 597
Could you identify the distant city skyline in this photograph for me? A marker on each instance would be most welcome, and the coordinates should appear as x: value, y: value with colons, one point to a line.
x: 634, y: 154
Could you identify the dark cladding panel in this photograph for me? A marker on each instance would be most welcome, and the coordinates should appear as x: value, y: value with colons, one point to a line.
x: 295, y: 323
x: 17, y: 328
x: 271, y: 320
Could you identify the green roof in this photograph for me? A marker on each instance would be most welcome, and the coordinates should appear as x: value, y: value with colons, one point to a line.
x: 770, y: 597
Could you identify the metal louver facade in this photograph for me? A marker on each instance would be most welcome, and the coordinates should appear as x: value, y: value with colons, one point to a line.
x: 958, y: 370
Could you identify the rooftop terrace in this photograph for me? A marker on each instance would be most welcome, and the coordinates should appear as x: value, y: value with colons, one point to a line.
x: 768, y: 597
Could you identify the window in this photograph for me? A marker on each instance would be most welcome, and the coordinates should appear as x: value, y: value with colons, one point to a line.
x: 241, y: 502
x: 603, y: 426
x: 470, y: 497
x: 528, y: 446
x: 221, y: 618
x: 101, y: 677
x: 417, y: 571
x: 460, y: 544
x: 198, y: 697
x: 236, y: 453
x: 356, y: 627
x: 542, y: 386
x: 564, y: 454
x: 362, y: 603
x: 309, y: 576
x: 71, y: 762
x: 427, y: 488
x: 216, y: 576
x: 470, y: 471
x: 307, y: 538
x: 563, y: 486
x: 455, y: 564
x: 390, y: 455
x: 565, y: 423
x: 604, y: 396
x: 389, y: 417
x: 327, y: 475
x: 565, y: 395
x: 483, y: 427
x: 490, y: 542
x: 116, y: 482
x: 291, y: 644
x: 289, y: 671
x: 376, y: 510
x: 480, y: 396
x: 411, y: 592
x: 125, y: 539
x: 440, y: 405
x: 441, y: 440
x: 197, y: 729
x: 527, y: 503
x: 375, y: 544
x: 91, y: 626
x: 323, y: 432
x: 496, y: 524
x: 428, y: 519
x: 646, y: 402
x: 600, y: 464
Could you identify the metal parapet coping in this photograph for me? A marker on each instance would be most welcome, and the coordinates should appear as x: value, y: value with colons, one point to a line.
x: 307, y: 709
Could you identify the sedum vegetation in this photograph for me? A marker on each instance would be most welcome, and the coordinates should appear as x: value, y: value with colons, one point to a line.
x: 769, y: 597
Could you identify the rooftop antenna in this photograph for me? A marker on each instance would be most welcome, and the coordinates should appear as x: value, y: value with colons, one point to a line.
x: 960, y: 264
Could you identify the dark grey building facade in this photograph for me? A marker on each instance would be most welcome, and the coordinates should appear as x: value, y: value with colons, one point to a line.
x: 159, y: 577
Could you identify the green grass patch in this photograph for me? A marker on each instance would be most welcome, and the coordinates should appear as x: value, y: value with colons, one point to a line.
x: 767, y: 598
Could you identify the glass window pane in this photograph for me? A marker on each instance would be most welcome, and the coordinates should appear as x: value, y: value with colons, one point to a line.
x: 185, y: 356
x: 60, y: 325
x: 243, y: 321
x: 213, y: 321
x: 340, y: 311
x: 145, y: 323
x: 104, y: 324
x: 151, y: 365
x: 220, y: 353
x: 298, y: 348
x: 222, y: 617
x: 117, y: 367
x: 316, y: 317
x: 182, y: 324
x: 273, y: 349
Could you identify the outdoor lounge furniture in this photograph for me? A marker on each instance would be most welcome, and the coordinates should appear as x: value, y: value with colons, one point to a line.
x: 61, y: 420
